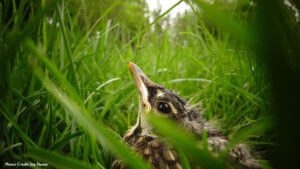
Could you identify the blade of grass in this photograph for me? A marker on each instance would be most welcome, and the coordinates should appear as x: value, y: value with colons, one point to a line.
x: 226, y: 22
x: 105, y: 13
x: 10, y: 147
x: 56, y: 160
x: 64, y: 140
x: 151, y: 24
x: 186, y: 143
x: 37, y: 52
x: 67, y: 44
x: 22, y: 134
x: 99, y: 87
x: 254, y: 128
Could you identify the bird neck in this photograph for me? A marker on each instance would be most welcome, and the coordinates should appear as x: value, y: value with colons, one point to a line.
x: 146, y: 128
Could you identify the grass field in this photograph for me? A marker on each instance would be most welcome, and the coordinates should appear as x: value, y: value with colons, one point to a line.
x: 68, y: 97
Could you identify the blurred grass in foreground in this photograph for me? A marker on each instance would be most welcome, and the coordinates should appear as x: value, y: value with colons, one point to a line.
x: 67, y: 96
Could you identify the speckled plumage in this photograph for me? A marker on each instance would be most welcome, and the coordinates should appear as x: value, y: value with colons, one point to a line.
x: 143, y: 139
x: 152, y: 149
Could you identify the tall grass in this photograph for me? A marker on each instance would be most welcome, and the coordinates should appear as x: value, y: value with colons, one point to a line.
x: 67, y: 96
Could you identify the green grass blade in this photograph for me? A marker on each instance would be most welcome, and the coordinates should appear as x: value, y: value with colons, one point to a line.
x: 64, y: 140
x: 90, y: 31
x: 21, y: 133
x: 37, y: 52
x: 226, y: 22
x: 67, y: 44
x: 2, y: 151
x: 186, y: 143
x: 151, y: 24
x: 56, y: 160
x: 255, y: 128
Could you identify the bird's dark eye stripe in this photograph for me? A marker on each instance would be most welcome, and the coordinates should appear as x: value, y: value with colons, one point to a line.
x: 152, y: 92
x: 163, y: 107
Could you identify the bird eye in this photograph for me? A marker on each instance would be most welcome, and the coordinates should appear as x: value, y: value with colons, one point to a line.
x: 163, y: 107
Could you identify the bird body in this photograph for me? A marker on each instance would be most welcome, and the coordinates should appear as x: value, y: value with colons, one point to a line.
x: 143, y: 139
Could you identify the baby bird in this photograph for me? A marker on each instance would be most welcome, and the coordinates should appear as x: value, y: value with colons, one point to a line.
x: 143, y: 139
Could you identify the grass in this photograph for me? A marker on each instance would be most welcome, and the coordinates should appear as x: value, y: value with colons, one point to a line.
x: 69, y: 97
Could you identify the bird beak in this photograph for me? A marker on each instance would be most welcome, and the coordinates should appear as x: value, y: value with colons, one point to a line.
x: 141, y: 82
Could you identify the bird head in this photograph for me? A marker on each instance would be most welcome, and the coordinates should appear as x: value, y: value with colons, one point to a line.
x: 154, y: 98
